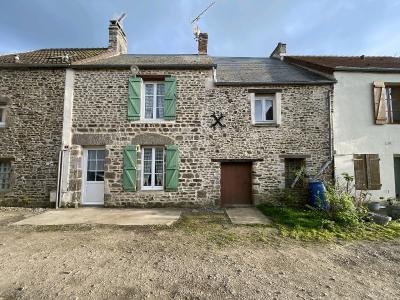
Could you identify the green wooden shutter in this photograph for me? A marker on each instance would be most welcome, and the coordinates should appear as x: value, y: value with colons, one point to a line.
x: 129, y: 172
x: 374, y: 177
x: 170, y: 98
x: 360, y: 172
x: 172, y: 168
x: 135, y: 84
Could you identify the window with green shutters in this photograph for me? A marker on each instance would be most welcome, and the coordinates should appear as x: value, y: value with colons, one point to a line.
x: 149, y: 100
x: 129, y: 168
x: 172, y: 168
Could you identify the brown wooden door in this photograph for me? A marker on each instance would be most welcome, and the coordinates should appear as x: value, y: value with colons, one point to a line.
x: 236, y: 184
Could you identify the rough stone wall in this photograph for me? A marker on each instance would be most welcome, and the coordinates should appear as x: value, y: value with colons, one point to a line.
x: 100, y: 107
x: 32, y: 137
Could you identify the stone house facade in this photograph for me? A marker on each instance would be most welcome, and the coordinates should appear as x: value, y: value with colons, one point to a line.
x: 167, y: 130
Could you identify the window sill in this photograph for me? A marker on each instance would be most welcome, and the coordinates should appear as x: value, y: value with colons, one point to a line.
x: 272, y: 124
x: 152, y: 189
x: 155, y: 121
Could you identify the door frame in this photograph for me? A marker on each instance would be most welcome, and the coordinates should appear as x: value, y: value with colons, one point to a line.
x: 84, y: 174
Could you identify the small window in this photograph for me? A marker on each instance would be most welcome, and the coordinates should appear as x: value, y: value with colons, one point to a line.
x: 2, y: 115
x: 392, y: 104
x: 264, y: 109
x: 153, y: 102
x: 5, y: 175
x: 152, y: 168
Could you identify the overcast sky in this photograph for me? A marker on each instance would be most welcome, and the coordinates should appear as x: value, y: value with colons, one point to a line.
x: 235, y: 27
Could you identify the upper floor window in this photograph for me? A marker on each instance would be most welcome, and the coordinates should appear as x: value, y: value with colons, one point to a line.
x: 266, y: 108
x: 392, y: 104
x: 153, y: 101
x: 5, y: 175
x: 2, y: 115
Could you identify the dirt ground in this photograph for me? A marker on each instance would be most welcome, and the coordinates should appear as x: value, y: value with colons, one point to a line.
x: 201, y: 257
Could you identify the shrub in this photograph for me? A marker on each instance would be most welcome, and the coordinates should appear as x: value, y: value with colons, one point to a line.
x: 341, y: 207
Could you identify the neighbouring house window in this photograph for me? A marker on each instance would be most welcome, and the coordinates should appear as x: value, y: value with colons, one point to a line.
x: 392, y: 104
x: 152, y: 168
x: 367, y: 172
x: 154, y: 94
x: 2, y: 115
x: 5, y: 175
x: 95, y: 165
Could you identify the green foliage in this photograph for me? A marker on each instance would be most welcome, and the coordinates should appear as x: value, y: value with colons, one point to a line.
x: 308, y: 224
x: 341, y: 207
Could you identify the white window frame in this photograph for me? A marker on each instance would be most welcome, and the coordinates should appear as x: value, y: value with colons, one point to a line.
x: 3, y: 115
x: 143, y: 101
x: 276, y: 106
x: 153, y: 169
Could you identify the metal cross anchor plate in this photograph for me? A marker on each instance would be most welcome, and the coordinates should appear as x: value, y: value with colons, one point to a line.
x: 217, y: 120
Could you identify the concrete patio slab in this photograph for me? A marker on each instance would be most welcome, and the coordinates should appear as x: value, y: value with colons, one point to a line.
x: 108, y: 216
x: 247, y: 215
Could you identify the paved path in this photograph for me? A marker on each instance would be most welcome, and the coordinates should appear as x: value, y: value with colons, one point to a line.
x: 247, y: 215
x: 109, y: 216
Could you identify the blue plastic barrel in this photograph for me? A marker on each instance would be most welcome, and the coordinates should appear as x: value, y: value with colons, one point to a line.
x: 316, y: 194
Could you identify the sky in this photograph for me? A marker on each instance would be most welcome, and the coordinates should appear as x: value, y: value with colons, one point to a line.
x: 234, y: 27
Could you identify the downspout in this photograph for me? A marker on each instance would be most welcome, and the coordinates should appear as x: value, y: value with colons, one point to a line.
x: 66, y: 140
x: 330, y: 160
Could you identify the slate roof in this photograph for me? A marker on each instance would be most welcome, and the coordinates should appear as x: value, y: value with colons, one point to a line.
x: 332, y: 63
x: 259, y: 70
x: 53, y: 56
x: 155, y: 59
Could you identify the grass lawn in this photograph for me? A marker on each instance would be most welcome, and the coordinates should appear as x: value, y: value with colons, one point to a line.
x: 314, y: 225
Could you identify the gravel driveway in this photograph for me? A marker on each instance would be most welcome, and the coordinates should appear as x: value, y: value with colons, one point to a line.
x: 202, y: 257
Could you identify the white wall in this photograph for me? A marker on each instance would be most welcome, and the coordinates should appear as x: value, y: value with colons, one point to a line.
x: 355, y: 131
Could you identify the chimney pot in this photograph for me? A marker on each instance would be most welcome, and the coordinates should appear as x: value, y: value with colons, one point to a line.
x: 202, y: 43
x: 117, y: 41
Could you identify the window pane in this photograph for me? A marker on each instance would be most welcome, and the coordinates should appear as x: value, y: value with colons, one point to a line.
x: 147, y: 166
x: 149, y: 89
x: 158, y: 180
x: 1, y: 114
x: 269, y: 111
x: 159, y: 154
x: 92, y: 154
x: 148, y: 107
x: 100, y: 165
x: 147, y: 179
x: 100, y: 154
x: 91, y: 176
x: 91, y: 165
x: 258, y: 110
x: 160, y: 107
x: 159, y: 166
x: 147, y: 153
x: 160, y: 89
x: 99, y: 176
x: 5, y: 174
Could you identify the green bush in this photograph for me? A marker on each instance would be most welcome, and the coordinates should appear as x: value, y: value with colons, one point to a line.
x: 341, y: 207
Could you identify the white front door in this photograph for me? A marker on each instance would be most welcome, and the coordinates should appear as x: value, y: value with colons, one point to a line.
x: 93, y: 177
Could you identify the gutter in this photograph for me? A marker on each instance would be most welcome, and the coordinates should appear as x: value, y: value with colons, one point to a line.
x: 257, y: 83
x: 108, y: 66
x: 371, y: 69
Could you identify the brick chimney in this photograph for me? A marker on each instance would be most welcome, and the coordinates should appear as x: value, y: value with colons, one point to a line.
x: 279, y: 52
x: 202, y: 43
x: 116, y: 38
